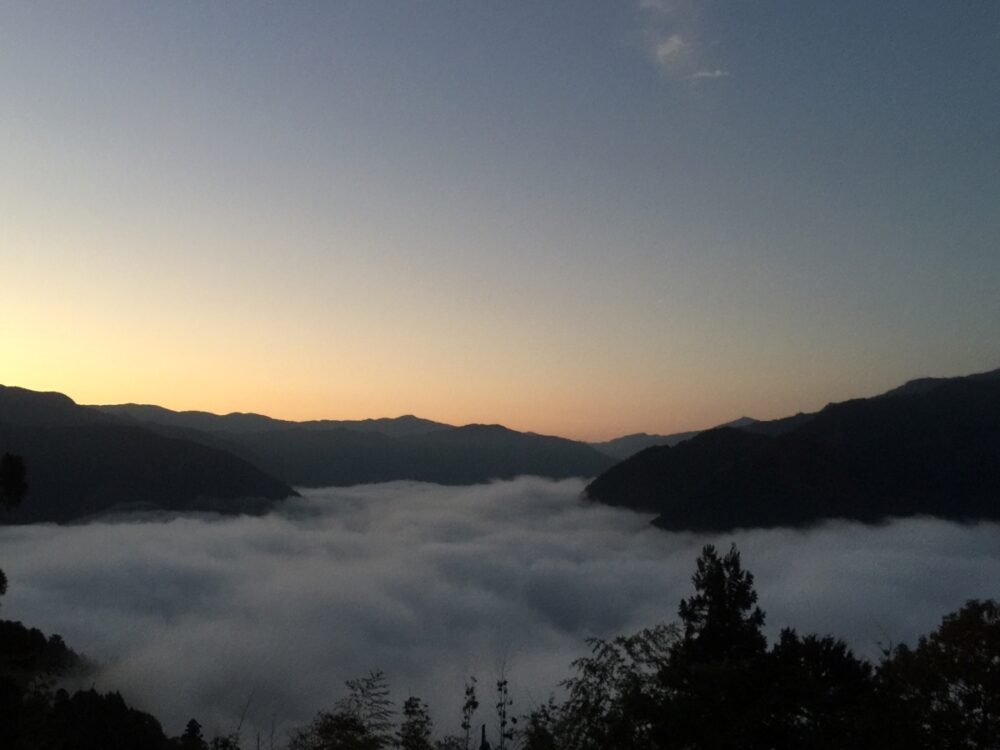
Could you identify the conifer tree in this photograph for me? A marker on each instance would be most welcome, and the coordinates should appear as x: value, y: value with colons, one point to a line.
x: 721, y: 620
x: 192, y: 738
x: 715, y: 686
x: 415, y: 730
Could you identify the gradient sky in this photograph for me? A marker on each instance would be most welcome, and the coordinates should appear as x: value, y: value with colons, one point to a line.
x: 581, y: 218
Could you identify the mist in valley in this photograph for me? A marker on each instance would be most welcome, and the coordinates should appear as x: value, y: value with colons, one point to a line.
x: 205, y: 615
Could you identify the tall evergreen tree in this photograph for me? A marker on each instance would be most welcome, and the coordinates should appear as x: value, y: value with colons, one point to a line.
x: 715, y: 685
x: 721, y: 620
x: 192, y: 738
x: 416, y: 728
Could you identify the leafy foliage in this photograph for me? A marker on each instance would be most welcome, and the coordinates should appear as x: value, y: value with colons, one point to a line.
x: 337, y: 730
x: 504, y: 719
x: 820, y: 694
x: 611, y: 701
x: 709, y: 682
x: 361, y: 720
x: 949, y: 685
x: 469, y: 706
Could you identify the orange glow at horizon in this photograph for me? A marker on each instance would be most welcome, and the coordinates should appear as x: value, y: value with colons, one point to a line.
x: 190, y: 341
x: 236, y: 379
x: 105, y: 328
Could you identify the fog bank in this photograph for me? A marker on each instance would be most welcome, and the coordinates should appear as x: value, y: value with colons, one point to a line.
x: 193, y: 616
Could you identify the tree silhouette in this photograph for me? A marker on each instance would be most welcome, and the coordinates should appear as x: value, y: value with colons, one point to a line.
x: 615, y: 693
x: 949, y: 685
x: 821, y: 695
x: 503, y: 705
x: 469, y: 706
x: 715, y: 685
x: 88, y: 720
x: 368, y: 699
x: 338, y: 730
x: 721, y: 620
x: 361, y: 720
x: 539, y: 732
x: 192, y: 738
x: 13, y: 486
x: 416, y: 728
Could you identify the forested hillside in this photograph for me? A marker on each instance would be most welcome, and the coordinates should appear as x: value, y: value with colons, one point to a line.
x: 932, y: 449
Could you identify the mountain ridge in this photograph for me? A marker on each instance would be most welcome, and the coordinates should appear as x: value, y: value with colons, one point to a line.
x: 83, y: 463
x: 931, y: 449
x: 251, y: 421
x: 628, y: 445
x: 347, y: 452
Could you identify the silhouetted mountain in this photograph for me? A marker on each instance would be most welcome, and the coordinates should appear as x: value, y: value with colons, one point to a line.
x: 922, y: 385
x: 628, y: 445
x: 464, y: 452
x: 332, y: 453
x: 461, y: 455
x: 239, y: 422
x: 775, y: 427
x: 932, y: 449
x: 81, y: 462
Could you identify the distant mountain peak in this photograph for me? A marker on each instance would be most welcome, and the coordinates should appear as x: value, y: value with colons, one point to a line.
x: 628, y: 445
x: 23, y: 406
x: 345, y: 452
x: 922, y: 385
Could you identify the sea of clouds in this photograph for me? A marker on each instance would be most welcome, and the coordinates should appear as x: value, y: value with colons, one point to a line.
x: 206, y: 615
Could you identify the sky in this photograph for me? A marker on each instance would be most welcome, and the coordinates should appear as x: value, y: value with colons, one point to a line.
x: 432, y: 584
x: 578, y: 218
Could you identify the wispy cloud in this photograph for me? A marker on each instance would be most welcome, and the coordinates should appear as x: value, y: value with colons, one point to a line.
x: 717, y: 73
x: 670, y: 50
x: 671, y: 33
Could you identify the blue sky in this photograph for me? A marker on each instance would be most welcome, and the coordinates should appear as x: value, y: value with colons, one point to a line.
x: 582, y: 218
